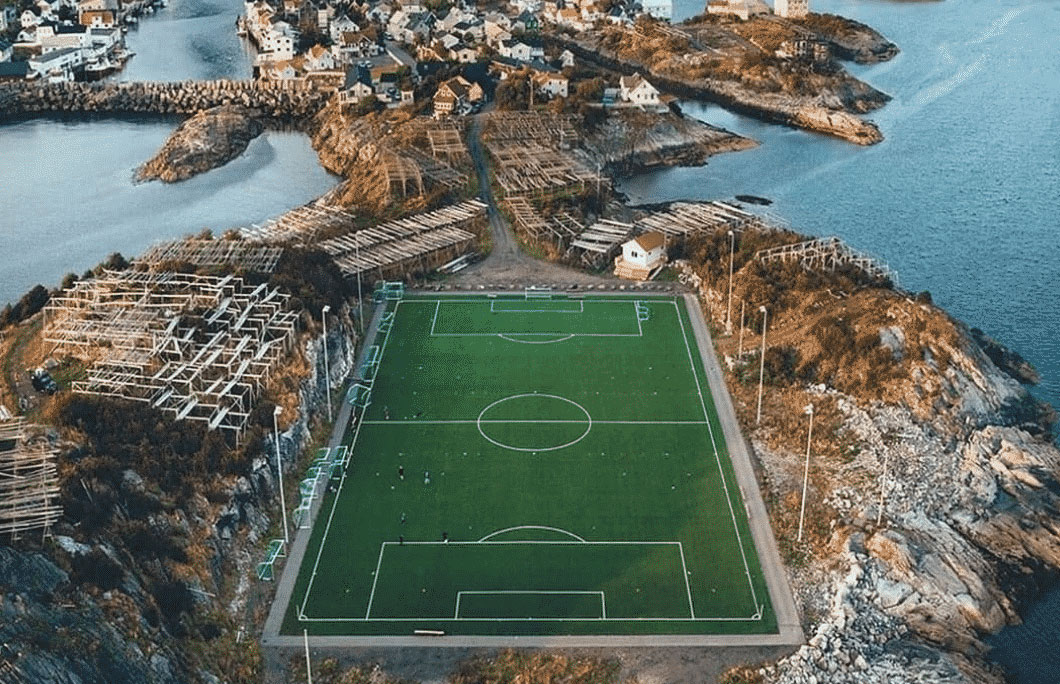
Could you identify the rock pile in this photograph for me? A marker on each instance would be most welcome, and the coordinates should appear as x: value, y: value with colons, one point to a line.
x: 279, y: 101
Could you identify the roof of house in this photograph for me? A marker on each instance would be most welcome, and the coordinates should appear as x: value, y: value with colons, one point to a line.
x: 650, y: 240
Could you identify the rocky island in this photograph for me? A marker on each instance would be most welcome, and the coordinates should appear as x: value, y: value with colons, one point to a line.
x: 209, y: 139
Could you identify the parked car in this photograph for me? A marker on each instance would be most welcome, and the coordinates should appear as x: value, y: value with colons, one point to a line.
x: 43, y: 381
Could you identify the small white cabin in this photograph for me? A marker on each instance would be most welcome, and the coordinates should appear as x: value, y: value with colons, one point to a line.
x: 641, y: 255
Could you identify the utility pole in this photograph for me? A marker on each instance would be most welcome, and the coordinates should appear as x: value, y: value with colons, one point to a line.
x: 739, y: 354
x: 327, y: 371
x: 761, y: 365
x: 279, y: 471
x: 360, y: 301
x: 732, y: 256
x: 806, y: 469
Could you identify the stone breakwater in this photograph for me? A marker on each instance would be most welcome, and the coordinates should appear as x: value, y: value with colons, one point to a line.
x: 279, y: 102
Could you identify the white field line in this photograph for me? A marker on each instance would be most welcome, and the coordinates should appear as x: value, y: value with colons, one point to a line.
x: 504, y: 336
x: 595, y: 422
x: 532, y: 527
x: 688, y: 588
x: 375, y: 578
x: 342, y: 482
x: 534, y: 592
x: 439, y: 302
x: 494, y: 309
x: 717, y: 457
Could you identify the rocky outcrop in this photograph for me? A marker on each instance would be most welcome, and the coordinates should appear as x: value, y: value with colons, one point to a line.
x: 277, y: 101
x: 849, y: 39
x: 630, y: 140
x: 933, y: 488
x: 210, y: 139
x: 1006, y: 359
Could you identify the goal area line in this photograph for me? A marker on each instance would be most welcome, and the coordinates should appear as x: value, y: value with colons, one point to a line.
x: 565, y: 334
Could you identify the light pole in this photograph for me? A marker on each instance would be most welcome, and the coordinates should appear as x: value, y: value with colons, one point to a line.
x: 761, y: 365
x: 360, y: 301
x: 806, y: 469
x: 728, y: 309
x: 739, y: 354
x: 327, y: 371
x: 279, y: 471
x: 308, y: 667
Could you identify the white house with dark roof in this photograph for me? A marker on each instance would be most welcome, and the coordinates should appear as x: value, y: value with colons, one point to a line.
x: 637, y: 90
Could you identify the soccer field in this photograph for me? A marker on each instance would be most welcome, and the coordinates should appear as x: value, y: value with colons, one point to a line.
x: 534, y: 466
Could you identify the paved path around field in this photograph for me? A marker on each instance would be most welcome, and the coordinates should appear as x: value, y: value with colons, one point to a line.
x: 297, y: 548
x: 761, y: 530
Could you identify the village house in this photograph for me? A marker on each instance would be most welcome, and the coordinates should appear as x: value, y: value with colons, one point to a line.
x: 553, y: 84
x: 791, y: 9
x: 463, y: 54
x: 57, y: 65
x: 637, y: 90
x: 341, y: 26
x: 279, y: 70
x: 744, y: 9
x: 641, y: 255
x: 98, y: 13
x: 319, y: 58
x: 357, y: 87
x: 355, y: 46
x: 456, y: 94
x: 566, y: 59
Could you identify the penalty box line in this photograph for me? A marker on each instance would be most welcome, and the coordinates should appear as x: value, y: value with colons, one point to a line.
x: 438, y: 305
x: 494, y: 309
x: 580, y: 542
x: 533, y: 592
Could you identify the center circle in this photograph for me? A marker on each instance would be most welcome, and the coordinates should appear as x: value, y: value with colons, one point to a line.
x: 532, y: 412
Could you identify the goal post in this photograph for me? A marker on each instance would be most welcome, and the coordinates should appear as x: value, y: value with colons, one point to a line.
x: 533, y: 292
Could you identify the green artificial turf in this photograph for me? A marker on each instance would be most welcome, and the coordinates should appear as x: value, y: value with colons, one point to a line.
x: 560, y: 477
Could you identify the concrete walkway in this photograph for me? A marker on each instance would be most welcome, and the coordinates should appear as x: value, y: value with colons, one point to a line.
x: 296, y: 551
x: 761, y: 530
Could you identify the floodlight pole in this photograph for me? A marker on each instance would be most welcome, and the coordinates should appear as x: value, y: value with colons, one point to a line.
x: 308, y: 667
x: 806, y: 471
x: 732, y: 257
x: 327, y: 371
x: 761, y: 365
x: 360, y: 300
x: 279, y: 471
x: 739, y: 354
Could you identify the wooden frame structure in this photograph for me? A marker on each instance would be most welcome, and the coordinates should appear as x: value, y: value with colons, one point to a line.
x: 411, y: 244
x: 29, y: 480
x: 684, y: 219
x: 827, y: 253
x: 561, y: 227
x: 598, y: 242
x: 200, y: 252
x: 301, y: 225
x: 557, y: 129
x: 199, y: 347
